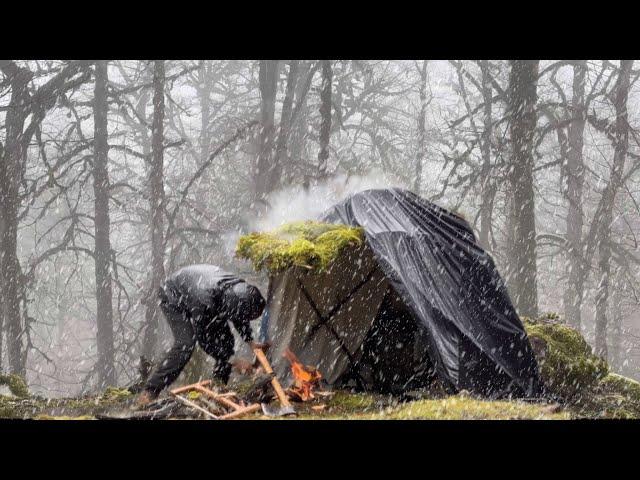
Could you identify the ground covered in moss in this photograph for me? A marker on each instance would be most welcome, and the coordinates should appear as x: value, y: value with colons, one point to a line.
x: 581, y: 383
x: 310, y: 245
x: 80, y: 408
x: 340, y: 405
x: 360, y: 406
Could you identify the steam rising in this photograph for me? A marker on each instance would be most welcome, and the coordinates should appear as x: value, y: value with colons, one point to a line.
x: 297, y: 203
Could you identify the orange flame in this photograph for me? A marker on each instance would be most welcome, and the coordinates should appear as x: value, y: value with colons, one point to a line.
x: 305, y: 377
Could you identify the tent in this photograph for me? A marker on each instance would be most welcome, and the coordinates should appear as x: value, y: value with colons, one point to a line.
x: 419, y: 300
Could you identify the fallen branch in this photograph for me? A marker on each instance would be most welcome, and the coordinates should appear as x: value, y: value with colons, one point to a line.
x: 217, y: 397
x: 195, y: 406
x: 186, y: 388
x: 243, y: 411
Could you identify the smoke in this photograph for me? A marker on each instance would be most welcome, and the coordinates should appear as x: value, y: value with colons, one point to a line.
x: 297, y: 203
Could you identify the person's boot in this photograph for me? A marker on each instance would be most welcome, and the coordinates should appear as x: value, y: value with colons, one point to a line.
x: 221, y: 374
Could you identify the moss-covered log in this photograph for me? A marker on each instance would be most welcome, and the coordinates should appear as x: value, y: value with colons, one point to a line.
x: 581, y: 379
x: 17, y: 385
x: 567, y: 364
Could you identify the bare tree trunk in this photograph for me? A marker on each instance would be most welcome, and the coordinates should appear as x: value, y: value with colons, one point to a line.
x: 285, y: 124
x: 523, y: 80
x: 205, y: 112
x: 10, y: 179
x: 299, y: 115
x: 325, y: 114
x: 2, y: 302
x: 487, y: 186
x: 22, y: 105
x: 268, y: 78
x: 102, y: 253
x: 422, y: 91
x: 617, y: 320
x: 603, y: 239
x: 573, y: 293
x: 156, y: 200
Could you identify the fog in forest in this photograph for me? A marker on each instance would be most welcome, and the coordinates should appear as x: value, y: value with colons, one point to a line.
x: 116, y: 173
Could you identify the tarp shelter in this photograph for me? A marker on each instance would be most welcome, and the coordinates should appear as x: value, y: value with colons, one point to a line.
x: 419, y: 300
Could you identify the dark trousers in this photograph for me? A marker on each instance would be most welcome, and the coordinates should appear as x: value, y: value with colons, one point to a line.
x: 213, y: 336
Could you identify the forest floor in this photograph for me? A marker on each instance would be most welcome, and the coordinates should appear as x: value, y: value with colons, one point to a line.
x: 342, y: 405
x: 584, y: 383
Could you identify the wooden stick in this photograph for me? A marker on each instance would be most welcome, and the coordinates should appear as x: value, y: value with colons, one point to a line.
x: 191, y: 404
x: 213, y: 407
x: 243, y: 411
x: 218, y: 398
x: 193, y: 386
x: 262, y: 358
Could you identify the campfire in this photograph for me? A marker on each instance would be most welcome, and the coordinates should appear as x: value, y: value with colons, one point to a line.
x: 306, y: 378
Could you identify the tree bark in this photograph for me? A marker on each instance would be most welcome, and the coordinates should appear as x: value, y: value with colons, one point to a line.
x: 487, y: 186
x: 102, y: 253
x: 325, y: 114
x: 422, y: 92
x: 523, y: 80
x: 2, y: 302
x: 573, y: 293
x: 300, y: 116
x: 617, y: 320
x: 156, y: 204
x: 1, y: 236
x: 10, y: 179
x: 285, y: 124
x: 603, y: 239
x: 268, y: 78
x: 205, y: 111
x: 19, y: 132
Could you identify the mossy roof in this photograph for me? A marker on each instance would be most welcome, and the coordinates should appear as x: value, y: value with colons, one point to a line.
x: 311, y: 245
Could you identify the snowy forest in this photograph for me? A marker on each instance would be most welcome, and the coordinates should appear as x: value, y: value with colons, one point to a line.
x: 114, y: 174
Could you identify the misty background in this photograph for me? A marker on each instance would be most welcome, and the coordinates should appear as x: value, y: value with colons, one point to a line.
x: 116, y: 173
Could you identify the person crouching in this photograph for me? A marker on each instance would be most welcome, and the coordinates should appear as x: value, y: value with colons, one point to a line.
x: 199, y: 303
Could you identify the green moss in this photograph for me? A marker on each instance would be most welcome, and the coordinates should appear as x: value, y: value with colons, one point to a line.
x: 617, y: 384
x: 6, y: 407
x: 362, y: 406
x: 614, y: 397
x: 462, y: 407
x: 550, y: 317
x: 63, y: 417
x: 347, y: 402
x: 567, y: 364
x: 73, y: 408
x: 310, y: 245
x: 17, y: 385
x: 343, y: 404
x: 14, y: 407
x: 115, y: 393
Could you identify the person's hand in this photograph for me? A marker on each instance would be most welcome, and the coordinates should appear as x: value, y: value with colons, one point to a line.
x: 243, y: 366
x: 264, y: 346
x: 145, y: 398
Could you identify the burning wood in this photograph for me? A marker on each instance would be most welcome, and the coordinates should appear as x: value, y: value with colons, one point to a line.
x: 305, y: 378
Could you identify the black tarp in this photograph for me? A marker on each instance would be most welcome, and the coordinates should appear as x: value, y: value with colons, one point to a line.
x: 433, y: 261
